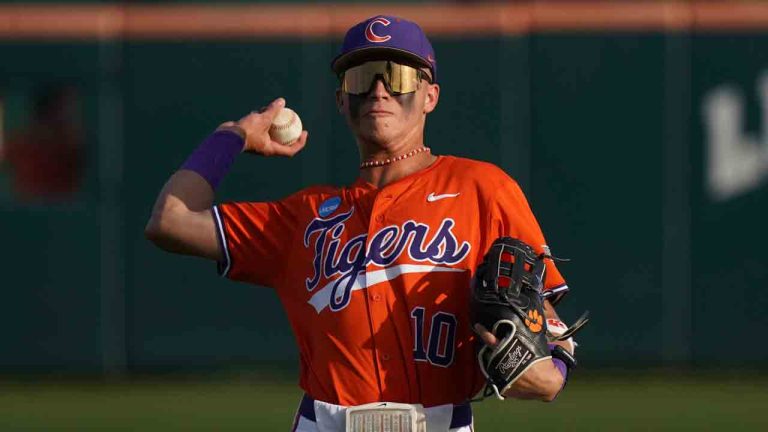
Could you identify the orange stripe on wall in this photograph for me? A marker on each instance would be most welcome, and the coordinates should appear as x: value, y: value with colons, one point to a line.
x: 731, y: 15
x: 199, y: 21
x: 612, y: 16
x: 60, y: 22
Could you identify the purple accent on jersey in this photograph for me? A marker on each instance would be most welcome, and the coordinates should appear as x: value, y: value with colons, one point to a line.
x: 462, y: 416
x: 307, y: 408
x: 555, y: 294
x: 214, y: 156
x: 385, y: 37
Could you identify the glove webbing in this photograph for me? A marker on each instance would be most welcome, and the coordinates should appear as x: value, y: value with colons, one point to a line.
x: 512, y: 275
x: 575, y: 327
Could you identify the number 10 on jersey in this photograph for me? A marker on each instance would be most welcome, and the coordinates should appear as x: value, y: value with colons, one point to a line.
x: 440, y: 337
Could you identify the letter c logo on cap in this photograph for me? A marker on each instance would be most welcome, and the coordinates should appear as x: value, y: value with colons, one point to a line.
x: 373, y: 37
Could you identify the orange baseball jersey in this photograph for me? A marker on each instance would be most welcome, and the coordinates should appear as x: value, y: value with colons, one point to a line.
x: 376, y: 281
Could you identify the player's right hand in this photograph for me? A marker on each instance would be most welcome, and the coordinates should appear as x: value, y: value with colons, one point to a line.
x: 256, y: 128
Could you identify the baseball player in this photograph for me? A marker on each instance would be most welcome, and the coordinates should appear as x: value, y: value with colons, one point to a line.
x: 375, y: 276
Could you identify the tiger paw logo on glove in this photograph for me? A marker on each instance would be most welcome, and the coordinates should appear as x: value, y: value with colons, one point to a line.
x: 534, y: 321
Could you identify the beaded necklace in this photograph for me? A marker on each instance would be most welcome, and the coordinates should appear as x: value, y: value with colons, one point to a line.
x: 375, y: 163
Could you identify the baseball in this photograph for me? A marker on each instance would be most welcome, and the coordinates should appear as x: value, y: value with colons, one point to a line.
x: 286, y: 127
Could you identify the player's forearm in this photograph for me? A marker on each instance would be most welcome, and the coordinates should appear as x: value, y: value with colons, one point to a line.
x: 187, y: 189
x: 192, y: 187
x: 182, y: 220
x: 185, y: 192
x: 541, y: 382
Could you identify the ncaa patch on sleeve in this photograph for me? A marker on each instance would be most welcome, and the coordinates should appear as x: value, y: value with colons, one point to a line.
x: 329, y: 206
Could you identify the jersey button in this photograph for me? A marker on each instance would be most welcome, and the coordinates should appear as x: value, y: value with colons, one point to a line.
x: 379, y: 218
x: 385, y: 357
x: 376, y: 297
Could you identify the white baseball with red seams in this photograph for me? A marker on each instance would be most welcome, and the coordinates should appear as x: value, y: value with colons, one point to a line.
x: 286, y: 127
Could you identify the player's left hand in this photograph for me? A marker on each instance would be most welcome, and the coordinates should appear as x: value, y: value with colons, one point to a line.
x: 507, y: 313
x: 541, y: 381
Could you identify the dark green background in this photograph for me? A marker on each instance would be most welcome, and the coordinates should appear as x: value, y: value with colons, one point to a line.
x: 602, y: 130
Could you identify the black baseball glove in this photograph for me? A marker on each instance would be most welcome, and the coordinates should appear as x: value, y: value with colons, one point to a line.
x: 507, y: 300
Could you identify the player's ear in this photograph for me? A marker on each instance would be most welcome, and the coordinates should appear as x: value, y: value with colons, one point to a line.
x: 339, y: 100
x: 431, y: 97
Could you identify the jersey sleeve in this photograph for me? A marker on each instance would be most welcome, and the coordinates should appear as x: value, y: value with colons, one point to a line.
x: 511, y: 216
x: 255, y: 237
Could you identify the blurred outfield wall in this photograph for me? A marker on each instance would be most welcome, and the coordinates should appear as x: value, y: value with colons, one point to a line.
x: 609, y: 117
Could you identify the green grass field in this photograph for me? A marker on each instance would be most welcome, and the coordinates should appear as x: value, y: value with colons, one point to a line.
x: 591, y: 403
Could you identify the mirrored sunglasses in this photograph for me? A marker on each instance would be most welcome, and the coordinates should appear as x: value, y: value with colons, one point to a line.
x: 397, y: 78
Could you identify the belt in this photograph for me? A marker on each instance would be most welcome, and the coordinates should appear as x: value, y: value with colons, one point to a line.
x: 461, y: 417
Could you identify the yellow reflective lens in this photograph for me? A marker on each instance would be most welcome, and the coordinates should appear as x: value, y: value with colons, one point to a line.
x: 397, y: 78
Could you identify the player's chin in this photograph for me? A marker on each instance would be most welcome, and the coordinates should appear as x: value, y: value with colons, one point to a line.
x: 377, y: 124
x: 377, y: 131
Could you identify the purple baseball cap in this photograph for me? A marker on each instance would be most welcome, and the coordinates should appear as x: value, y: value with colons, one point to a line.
x: 385, y: 37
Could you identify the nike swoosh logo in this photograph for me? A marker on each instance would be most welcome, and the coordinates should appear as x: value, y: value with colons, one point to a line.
x: 432, y: 197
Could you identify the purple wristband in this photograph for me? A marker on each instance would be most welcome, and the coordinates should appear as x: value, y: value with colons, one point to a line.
x: 559, y: 364
x: 213, y: 158
x: 561, y: 367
